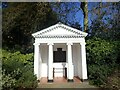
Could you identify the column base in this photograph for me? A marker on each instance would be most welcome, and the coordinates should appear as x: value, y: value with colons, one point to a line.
x: 83, y: 80
x: 70, y: 80
x: 50, y: 80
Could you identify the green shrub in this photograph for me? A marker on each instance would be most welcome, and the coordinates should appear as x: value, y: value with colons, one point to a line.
x: 98, y: 74
x: 27, y: 80
x: 102, y: 59
x: 101, y: 51
x: 113, y: 81
x: 8, y: 82
x: 18, y: 67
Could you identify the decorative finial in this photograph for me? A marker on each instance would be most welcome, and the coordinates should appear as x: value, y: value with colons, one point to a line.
x: 58, y: 0
x: 59, y: 23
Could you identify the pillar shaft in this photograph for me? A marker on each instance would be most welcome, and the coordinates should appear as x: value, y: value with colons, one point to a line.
x: 83, y: 61
x: 50, y: 62
x: 70, y: 64
x: 37, y: 60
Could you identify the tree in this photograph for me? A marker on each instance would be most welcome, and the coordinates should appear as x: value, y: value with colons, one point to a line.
x: 21, y: 19
x: 84, y: 7
x: 105, y: 21
x: 66, y: 13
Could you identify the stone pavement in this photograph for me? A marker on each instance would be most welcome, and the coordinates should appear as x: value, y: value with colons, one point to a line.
x: 62, y: 83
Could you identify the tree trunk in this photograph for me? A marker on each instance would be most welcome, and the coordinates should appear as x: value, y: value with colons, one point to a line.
x: 84, y: 7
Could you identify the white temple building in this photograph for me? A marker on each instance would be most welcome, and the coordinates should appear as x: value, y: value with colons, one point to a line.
x: 59, y: 51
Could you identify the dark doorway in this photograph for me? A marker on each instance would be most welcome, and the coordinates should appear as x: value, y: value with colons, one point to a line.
x: 59, y: 55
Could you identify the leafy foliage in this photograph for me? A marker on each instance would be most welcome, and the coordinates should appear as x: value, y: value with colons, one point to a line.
x: 7, y: 81
x: 67, y: 12
x: 113, y: 81
x: 103, y: 45
x: 105, y: 21
x: 21, y: 19
x: 102, y: 51
x: 18, y: 70
x: 102, y: 58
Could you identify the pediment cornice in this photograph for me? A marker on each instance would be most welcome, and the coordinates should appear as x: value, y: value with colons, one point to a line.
x: 77, y: 33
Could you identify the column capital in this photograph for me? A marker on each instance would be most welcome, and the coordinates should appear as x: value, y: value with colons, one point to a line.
x: 69, y: 43
x: 82, y: 43
x: 50, y: 43
x: 36, y: 44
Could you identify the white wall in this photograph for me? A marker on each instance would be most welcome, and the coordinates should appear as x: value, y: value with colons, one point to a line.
x: 76, y: 58
x: 59, y: 67
x: 44, y: 56
x: 75, y: 54
x: 59, y: 70
x: 79, y: 62
x: 59, y: 45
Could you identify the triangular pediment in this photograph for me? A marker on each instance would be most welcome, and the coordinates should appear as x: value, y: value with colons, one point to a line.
x: 59, y: 30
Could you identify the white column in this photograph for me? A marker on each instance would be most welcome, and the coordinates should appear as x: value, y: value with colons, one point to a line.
x: 83, y: 61
x: 37, y: 60
x: 70, y: 64
x: 50, y: 62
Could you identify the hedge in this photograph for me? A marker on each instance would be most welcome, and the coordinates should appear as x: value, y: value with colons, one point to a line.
x: 102, y: 59
x: 17, y: 70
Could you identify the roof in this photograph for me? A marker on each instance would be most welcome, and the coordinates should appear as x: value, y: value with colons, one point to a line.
x: 59, y: 30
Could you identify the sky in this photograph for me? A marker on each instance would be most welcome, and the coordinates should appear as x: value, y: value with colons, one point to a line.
x: 77, y: 16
